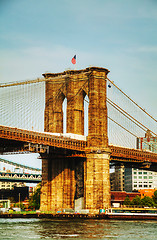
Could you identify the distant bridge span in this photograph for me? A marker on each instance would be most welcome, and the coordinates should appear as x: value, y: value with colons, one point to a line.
x: 20, y: 177
x: 19, y: 165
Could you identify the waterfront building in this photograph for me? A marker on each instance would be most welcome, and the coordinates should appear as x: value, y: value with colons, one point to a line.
x: 147, y: 192
x: 118, y: 197
x: 117, y: 178
x: 136, y: 179
x: 10, y: 185
x: 112, y: 181
x: 147, y: 143
x: 6, y: 185
x: 130, y: 179
x: 16, y: 193
x: 4, y: 203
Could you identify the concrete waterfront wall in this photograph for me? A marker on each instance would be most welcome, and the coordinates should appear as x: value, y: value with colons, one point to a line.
x: 68, y: 178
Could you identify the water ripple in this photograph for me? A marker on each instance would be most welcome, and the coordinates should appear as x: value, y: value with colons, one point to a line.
x: 22, y: 229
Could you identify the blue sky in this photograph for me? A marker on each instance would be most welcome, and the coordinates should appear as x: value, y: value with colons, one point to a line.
x: 38, y: 36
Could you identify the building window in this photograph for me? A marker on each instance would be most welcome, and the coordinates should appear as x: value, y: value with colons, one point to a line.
x: 150, y: 186
x: 135, y: 177
x: 135, y: 185
x: 150, y: 177
x: 145, y: 185
x: 139, y: 172
x: 145, y: 173
x: 140, y: 185
x: 140, y: 177
x: 135, y: 172
x: 145, y: 177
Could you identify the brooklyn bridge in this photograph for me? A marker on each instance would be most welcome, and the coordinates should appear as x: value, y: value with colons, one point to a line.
x: 80, y: 122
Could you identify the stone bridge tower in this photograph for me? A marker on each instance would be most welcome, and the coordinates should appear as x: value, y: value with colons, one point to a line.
x: 66, y: 177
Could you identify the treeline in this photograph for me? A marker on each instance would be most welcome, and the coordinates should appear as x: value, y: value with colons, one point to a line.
x: 145, y: 201
x: 34, y: 200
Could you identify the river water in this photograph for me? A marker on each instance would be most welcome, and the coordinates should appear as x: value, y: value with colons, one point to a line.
x: 21, y: 229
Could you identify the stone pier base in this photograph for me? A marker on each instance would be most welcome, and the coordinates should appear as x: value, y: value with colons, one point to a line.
x: 97, y: 181
x: 58, y: 184
x: 62, y: 183
x: 69, y: 183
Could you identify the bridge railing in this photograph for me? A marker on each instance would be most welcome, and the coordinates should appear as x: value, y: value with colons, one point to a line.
x: 48, y: 139
x: 130, y: 154
x: 42, y: 138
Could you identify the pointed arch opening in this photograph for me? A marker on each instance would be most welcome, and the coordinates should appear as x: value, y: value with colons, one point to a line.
x: 86, y: 106
x: 64, y: 107
x: 58, y: 113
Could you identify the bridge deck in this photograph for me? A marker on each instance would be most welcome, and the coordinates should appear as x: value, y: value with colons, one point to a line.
x: 48, y: 139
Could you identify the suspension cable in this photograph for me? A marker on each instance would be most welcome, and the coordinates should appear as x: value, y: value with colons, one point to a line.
x: 131, y: 99
x: 128, y: 116
x: 123, y: 127
x: 10, y: 84
x: 128, y: 131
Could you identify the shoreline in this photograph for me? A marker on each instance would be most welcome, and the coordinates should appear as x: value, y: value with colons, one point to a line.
x: 77, y: 216
x: 51, y: 215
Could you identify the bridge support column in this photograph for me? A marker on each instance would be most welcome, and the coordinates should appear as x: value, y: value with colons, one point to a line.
x: 75, y: 85
x: 97, y: 181
x: 58, y: 184
x: 53, y: 108
x: 45, y: 187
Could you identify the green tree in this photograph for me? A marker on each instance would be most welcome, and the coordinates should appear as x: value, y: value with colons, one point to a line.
x: 19, y: 205
x: 147, y: 201
x: 127, y: 201
x: 136, y: 201
x: 154, y: 197
x: 34, y: 201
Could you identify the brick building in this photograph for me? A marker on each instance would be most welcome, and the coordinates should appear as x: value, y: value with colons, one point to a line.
x: 118, y: 197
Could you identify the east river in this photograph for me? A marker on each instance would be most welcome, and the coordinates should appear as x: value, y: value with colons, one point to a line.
x: 21, y: 229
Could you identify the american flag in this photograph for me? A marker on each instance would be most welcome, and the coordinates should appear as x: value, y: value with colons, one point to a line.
x: 73, y: 60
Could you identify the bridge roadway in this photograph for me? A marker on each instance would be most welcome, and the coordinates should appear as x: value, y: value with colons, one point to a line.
x: 26, y: 140
x: 20, y: 177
